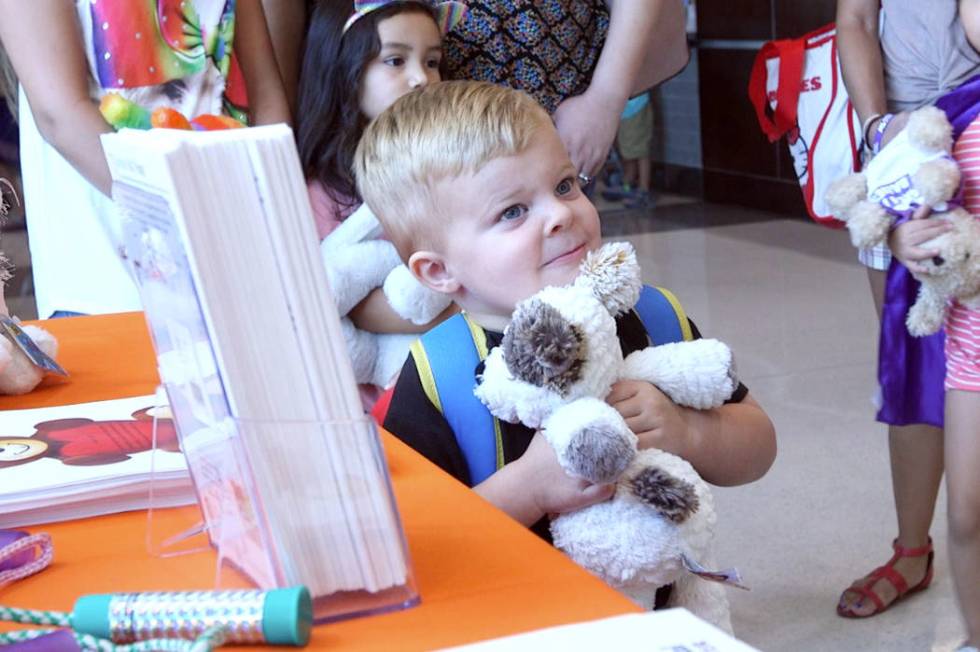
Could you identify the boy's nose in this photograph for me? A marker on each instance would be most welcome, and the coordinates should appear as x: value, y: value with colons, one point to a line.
x: 559, y: 216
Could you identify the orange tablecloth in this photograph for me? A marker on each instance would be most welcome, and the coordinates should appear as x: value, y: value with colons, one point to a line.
x: 480, y: 574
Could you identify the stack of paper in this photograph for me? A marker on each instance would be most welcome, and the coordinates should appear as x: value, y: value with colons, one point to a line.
x: 288, y: 468
x: 671, y: 630
x: 75, y: 461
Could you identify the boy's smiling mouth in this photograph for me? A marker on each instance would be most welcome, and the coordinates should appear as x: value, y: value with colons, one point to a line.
x: 568, y: 255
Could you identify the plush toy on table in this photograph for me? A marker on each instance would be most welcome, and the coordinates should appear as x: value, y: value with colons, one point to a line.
x: 558, y: 360
x: 123, y: 113
x: 358, y: 261
x: 18, y: 374
x: 916, y: 168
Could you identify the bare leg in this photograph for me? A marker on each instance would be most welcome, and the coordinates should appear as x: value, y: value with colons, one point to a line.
x: 643, y: 165
x: 963, y: 490
x: 917, y: 468
x: 629, y: 172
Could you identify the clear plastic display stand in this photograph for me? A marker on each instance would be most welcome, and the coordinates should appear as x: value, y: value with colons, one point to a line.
x: 170, y: 532
x: 340, y: 535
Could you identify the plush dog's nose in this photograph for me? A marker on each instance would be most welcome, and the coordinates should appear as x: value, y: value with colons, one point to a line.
x: 938, y: 260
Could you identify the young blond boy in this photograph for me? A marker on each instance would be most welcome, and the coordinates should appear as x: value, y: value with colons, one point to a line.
x: 476, y: 190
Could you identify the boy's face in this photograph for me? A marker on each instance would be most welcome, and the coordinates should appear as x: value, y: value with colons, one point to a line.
x: 411, y: 49
x: 519, y: 224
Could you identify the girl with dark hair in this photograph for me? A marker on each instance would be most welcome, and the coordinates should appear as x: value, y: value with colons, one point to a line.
x: 357, y: 62
x: 359, y: 59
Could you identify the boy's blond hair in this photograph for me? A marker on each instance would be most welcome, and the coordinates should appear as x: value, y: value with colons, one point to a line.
x: 441, y: 131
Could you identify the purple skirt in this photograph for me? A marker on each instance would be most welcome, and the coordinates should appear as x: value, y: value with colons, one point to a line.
x: 911, y: 369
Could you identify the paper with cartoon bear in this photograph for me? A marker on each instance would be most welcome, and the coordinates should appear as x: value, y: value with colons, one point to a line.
x: 80, y: 460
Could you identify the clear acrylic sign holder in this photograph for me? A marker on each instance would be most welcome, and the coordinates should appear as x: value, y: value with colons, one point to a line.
x: 354, y: 558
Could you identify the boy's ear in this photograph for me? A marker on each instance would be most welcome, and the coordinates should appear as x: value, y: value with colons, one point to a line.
x: 430, y: 269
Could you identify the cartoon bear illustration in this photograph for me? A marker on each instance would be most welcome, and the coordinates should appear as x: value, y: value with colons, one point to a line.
x: 84, y: 442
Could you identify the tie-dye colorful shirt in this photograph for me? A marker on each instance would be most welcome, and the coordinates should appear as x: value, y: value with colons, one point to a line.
x: 175, y: 53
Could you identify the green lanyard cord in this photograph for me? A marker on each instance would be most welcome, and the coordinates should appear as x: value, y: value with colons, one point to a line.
x: 208, y: 640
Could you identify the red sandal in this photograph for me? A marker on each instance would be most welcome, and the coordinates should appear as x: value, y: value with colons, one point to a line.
x: 888, y: 572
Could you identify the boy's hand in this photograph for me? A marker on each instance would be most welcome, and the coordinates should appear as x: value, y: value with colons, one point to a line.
x: 553, y: 490
x: 905, y: 241
x: 656, y: 420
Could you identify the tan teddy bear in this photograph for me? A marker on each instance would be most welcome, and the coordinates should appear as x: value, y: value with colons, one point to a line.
x: 915, y: 169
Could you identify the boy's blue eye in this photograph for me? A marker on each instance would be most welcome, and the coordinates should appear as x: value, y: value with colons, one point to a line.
x: 566, y: 186
x: 513, y: 212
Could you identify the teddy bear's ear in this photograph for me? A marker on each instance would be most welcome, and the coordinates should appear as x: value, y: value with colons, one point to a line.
x: 612, y: 274
x: 541, y: 347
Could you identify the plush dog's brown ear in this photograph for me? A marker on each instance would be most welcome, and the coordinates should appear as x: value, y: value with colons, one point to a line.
x: 674, y: 498
x: 542, y: 348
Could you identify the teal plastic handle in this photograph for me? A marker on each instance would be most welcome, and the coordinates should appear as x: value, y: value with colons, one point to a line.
x: 287, y: 614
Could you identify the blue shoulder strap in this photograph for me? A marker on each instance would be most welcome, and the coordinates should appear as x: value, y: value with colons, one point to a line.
x: 446, y: 358
x: 662, y: 316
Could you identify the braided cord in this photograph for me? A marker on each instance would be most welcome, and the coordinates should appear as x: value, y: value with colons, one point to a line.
x: 208, y: 640
x: 34, y: 617
x: 42, y: 552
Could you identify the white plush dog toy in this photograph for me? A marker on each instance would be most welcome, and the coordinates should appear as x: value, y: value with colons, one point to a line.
x: 357, y: 262
x: 916, y: 168
x: 559, y: 358
x: 18, y: 375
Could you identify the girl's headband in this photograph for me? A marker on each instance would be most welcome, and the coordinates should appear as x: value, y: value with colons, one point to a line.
x: 448, y: 14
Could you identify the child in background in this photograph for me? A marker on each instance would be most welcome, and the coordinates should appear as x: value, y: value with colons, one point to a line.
x: 633, y: 140
x: 477, y: 191
x: 961, y: 433
x: 358, y: 60
x: 67, y: 55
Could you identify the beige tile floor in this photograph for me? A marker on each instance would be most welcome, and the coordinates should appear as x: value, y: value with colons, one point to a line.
x: 791, y: 300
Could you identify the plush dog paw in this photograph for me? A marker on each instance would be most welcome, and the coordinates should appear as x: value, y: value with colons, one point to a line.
x: 698, y: 374
x: 591, y: 440
x: 18, y: 375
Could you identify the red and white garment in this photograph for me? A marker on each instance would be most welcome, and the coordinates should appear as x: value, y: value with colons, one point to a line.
x: 962, y: 322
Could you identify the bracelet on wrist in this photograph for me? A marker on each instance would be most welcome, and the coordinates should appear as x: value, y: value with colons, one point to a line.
x: 865, y: 136
x: 880, y: 132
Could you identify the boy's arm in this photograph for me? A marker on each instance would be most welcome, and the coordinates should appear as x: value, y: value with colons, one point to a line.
x: 526, y: 489
x: 535, y: 485
x: 730, y: 445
